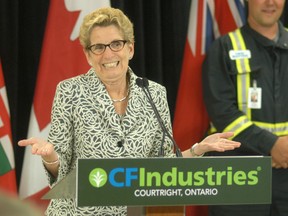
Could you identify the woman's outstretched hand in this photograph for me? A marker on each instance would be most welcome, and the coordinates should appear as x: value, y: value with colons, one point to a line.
x: 217, y: 142
x: 45, y: 150
x: 38, y: 146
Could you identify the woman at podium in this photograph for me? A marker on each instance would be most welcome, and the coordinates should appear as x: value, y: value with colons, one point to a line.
x: 106, y: 113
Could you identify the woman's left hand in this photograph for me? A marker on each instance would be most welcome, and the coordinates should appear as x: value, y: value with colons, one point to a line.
x: 217, y: 142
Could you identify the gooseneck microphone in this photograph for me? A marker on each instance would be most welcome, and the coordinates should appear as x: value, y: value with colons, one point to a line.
x: 143, y: 83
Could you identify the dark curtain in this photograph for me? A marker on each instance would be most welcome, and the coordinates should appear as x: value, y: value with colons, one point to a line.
x: 160, y: 34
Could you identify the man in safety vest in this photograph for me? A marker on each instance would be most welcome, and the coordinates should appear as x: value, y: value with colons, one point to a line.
x: 245, y: 82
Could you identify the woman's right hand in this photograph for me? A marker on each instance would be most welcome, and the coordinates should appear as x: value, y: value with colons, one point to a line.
x: 40, y: 147
x: 46, y: 151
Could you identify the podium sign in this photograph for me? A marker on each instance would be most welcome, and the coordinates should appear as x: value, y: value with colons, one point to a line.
x: 173, y: 181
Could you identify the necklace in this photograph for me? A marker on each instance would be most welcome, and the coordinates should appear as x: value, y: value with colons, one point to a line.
x: 120, y: 100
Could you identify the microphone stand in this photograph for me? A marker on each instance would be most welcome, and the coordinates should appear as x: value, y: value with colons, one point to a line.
x: 143, y: 83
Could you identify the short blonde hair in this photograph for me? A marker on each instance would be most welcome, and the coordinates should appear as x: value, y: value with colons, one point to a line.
x: 105, y: 17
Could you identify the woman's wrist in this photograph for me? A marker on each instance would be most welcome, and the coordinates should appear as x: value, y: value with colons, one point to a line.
x: 52, y: 162
x: 192, y: 150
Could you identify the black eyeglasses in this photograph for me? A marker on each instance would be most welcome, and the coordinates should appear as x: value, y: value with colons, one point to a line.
x: 115, y: 46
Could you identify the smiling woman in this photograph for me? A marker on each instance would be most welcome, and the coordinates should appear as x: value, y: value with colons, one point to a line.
x: 110, y: 65
x: 93, y: 113
x: 160, y: 32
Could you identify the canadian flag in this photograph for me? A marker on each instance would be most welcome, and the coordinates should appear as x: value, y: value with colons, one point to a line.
x: 7, y: 163
x: 61, y: 57
x: 208, y: 20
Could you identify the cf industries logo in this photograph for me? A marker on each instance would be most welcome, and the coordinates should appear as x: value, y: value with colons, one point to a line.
x: 125, y: 176
x: 98, y: 177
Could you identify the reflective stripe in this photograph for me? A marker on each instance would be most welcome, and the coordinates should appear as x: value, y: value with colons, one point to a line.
x: 243, y: 75
x: 212, y: 129
x: 279, y: 129
x: 238, y: 44
x: 241, y: 123
x: 238, y: 125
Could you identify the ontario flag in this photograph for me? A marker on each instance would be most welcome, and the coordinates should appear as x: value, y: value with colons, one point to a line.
x: 208, y: 20
x: 61, y: 57
x: 7, y: 162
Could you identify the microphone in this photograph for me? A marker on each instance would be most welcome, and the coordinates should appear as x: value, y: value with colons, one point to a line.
x: 143, y: 83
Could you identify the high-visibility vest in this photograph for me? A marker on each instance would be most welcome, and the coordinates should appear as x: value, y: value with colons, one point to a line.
x: 243, y: 84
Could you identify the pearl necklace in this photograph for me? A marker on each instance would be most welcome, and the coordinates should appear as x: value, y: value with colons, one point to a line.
x: 120, y: 100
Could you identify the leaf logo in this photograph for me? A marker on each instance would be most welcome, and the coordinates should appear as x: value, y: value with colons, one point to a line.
x: 98, y: 177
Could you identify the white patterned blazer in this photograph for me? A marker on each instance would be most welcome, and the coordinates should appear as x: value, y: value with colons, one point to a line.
x: 84, y: 124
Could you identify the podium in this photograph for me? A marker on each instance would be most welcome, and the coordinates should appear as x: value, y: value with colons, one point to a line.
x: 168, y: 181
